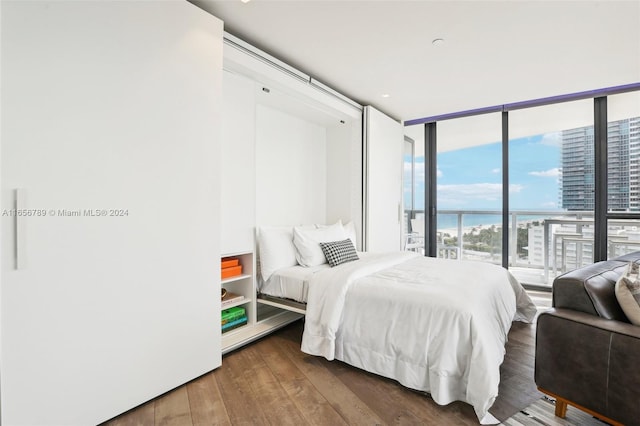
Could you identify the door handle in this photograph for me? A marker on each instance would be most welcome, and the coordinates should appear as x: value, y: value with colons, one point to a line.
x: 20, y: 228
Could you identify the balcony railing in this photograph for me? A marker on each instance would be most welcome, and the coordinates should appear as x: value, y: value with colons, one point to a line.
x: 542, y: 244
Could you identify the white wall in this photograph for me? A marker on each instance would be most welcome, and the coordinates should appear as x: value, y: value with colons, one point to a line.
x: 339, y: 165
x: 297, y: 179
x: 291, y: 169
x: 238, y: 168
x: 108, y: 105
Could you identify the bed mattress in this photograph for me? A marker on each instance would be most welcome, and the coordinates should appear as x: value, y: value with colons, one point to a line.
x: 290, y: 283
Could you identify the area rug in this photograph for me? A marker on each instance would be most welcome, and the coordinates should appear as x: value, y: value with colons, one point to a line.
x: 541, y: 413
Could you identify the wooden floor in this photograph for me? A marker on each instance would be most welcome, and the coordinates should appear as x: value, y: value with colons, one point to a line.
x: 271, y: 382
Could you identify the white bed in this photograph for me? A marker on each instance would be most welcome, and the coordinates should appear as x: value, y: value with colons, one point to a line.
x: 434, y: 325
x: 290, y: 283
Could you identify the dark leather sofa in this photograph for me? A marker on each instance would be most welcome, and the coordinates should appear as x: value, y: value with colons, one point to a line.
x: 587, y: 351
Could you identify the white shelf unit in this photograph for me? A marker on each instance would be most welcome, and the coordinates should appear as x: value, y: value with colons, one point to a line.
x: 261, y: 319
x: 244, y: 285
x: 226, y: 283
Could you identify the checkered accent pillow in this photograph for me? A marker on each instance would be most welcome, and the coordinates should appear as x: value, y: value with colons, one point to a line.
x: 338, y: 252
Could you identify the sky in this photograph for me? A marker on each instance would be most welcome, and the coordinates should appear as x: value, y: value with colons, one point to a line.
x: 471, y: 178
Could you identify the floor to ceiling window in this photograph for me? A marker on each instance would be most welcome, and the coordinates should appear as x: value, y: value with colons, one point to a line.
x: 573, y: 175
x: 551, y: 211
x: 623, y: 177
x: 469, y: 189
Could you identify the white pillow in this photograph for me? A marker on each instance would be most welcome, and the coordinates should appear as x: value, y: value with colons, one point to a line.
x: 628, y: 293
x: 307, y: 242
x: 276, y: 249
x: 350, y: 231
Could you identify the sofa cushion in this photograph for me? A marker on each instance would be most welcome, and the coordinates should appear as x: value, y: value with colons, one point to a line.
x: 628, y: 294
x: 591, y: 289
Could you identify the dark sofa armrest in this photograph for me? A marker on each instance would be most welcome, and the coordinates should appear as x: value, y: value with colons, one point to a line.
x: 614, y: 326
x: 591, y: 289
x: 589, y: 360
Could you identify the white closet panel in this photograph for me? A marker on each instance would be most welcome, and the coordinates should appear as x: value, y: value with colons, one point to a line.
x: 110, y: 122
x: 291, y: 169
x: 238, y: 166
x: 383, y: 181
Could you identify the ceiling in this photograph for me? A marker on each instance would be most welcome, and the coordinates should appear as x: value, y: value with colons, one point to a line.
x: 494, y: 52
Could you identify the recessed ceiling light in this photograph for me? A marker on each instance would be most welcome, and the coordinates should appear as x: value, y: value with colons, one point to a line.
x: 245, y: 1
x: 437, y: 41
x: 385, y: 95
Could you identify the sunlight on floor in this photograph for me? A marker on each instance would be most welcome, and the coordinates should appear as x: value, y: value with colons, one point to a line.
x: 542, y: 299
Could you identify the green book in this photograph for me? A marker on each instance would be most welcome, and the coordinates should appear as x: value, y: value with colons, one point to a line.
x: 232, y: 314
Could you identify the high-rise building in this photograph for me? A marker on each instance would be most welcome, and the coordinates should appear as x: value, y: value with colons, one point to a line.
x: 577, y: 182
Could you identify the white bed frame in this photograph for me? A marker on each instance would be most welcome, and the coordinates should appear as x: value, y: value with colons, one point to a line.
x: 282, y: 303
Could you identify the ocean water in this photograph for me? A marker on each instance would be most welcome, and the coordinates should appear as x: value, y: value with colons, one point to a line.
x: 449, y: 221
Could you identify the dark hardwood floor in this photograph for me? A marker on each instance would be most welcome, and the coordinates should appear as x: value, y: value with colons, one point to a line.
x: 271, y: 382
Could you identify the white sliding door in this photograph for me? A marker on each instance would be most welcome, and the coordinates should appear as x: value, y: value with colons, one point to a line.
x: 384, y: 141
x: 110, y: 124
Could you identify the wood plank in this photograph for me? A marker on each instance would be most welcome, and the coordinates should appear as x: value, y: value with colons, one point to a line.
x: 312, y: 405
x: 394, y: 403
x: 319, y: 372
x: 517, y: 388
x: 268, y: 391
x: 143, y: 415
x: 235, y: 388
x: 172, y: 409
x: 206, y: 403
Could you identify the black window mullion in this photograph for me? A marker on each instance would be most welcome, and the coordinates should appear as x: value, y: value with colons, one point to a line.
x: 505, y: 189
x: 430, y: 188
x: 600, y: 178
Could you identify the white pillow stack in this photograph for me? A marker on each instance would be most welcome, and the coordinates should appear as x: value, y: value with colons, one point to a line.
x: 307, y: 242
x: 282, y: 247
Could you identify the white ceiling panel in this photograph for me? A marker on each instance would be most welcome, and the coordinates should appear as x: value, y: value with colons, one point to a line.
x: 494, y: 52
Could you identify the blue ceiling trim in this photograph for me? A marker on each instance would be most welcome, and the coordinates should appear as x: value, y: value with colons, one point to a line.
x: 529, y: 104
x: 459, y: 114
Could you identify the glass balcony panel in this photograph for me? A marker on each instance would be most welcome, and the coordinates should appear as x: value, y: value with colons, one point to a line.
x: 551, y: 190
x: 469, y: 180
x: 623, y: 134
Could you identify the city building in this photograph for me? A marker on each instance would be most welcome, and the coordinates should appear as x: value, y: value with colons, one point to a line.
x: 577, y: 183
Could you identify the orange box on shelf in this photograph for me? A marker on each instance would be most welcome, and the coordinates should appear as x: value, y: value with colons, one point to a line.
x: 228, y: 262
x: 231, y: 271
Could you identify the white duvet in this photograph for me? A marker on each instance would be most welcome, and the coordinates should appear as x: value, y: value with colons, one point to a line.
x: 434, y: 325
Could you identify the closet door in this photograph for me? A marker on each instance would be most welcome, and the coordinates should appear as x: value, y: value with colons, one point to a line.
x: 383, y: 181
x: 110, y: 269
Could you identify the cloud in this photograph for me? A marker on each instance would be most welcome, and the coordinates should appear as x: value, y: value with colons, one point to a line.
x: 418, y: 171
x: 496, y: 171
x: 460, y: 194
x: 439, y: 173
x: 550, y: 205
x: 554, y: 173
x: 552, y: 139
